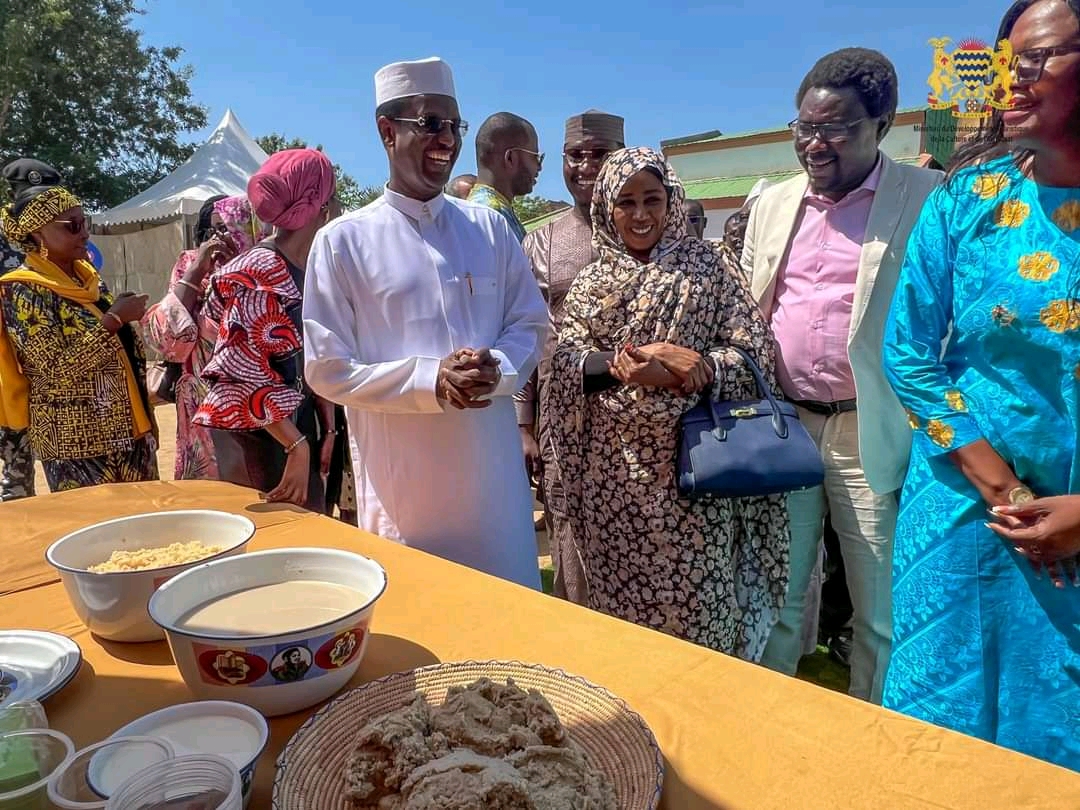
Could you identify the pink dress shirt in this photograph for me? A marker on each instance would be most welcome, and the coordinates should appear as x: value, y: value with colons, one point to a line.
x: 815, y: 292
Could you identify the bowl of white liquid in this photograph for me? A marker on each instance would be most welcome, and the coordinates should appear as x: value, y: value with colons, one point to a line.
x: 277, y: 630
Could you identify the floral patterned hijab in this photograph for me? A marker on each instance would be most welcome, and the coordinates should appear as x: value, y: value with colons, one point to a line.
x: 617, y: 170
x: 244, y: 229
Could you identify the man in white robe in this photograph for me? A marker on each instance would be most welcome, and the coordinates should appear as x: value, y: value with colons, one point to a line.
x: 422, y: 317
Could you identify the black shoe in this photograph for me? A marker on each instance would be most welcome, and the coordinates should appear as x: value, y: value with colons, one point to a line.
x: 840, y: 648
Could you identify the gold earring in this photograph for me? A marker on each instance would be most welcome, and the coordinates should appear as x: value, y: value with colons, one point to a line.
x: 44, y: 251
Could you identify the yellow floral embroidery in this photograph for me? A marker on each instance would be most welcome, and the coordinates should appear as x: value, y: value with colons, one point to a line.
x: 1067, y: 216
x: 913, y: 421
x: 956, y: 401
x: 941, y: 434
x: 990, y: 185
x: 1061, y: 316
x: 1012, y: 213
x: 1038, y: 266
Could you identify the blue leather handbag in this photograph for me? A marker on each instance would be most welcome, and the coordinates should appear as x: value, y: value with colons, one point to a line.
x: 743, y: 449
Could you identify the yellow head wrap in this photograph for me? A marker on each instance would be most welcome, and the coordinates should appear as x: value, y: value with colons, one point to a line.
x: 40, y: 211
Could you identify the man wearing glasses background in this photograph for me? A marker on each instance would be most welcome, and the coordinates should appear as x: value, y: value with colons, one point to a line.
x: 823, y: 252
x: 508, y: 161
x: 695, y: 218
x: 559, y: 250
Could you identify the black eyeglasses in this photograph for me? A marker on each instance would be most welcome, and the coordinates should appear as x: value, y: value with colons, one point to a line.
x: 694, y: 220
x: 433, y: 124
x: 75, y: 226
x: 1028, y: 66
x: 538, y: 155
x: 830, y: 133
x: 578, y: 157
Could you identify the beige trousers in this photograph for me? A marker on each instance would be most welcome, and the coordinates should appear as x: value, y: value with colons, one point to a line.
x: 864, y: 523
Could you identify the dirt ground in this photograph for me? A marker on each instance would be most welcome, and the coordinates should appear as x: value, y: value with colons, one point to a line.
x: 166, y: 419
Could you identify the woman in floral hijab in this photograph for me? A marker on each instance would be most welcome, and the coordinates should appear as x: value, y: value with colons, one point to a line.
x: 646, y: 332
x: 176, y: 329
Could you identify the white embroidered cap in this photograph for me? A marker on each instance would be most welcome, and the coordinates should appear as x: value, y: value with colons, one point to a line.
x: 423, y: 77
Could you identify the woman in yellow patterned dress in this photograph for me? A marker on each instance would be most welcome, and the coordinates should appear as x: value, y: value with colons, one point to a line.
x: 72, y: 369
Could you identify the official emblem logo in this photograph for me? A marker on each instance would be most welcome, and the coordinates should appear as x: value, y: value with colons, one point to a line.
x: 973, y: 80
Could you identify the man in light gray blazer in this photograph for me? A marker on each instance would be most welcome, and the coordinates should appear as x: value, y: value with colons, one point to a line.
x: 823, y: 251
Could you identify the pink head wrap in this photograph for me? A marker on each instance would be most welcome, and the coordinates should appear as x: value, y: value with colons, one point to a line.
x: 290, y: 188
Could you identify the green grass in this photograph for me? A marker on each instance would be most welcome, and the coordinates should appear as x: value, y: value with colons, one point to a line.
x: 818, y: 668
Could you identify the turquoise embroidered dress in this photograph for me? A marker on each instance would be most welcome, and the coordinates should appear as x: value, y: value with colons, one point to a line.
x: 981, y: 643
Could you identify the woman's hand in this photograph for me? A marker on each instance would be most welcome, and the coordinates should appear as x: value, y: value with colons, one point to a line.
x: 293, y: 487
x: 126, y: 308
x: 1047, y: 528
x: 686, y: 364
x: 214, y: 252
x: 633, y: 367
x: 1046, y: 531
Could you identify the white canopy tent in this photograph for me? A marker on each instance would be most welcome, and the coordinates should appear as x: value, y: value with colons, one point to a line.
x: 222, y: 165
x: 141, y: 239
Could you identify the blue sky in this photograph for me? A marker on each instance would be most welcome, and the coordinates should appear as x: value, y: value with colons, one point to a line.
x: 669, y: 71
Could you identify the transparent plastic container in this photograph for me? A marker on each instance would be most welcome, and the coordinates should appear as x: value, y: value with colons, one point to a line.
x: 21, y: 715
x: 200, y: 782
x: 91, y: 775
x: 28, y: 759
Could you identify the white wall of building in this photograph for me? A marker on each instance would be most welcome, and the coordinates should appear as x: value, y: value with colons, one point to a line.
x: 714, y: 227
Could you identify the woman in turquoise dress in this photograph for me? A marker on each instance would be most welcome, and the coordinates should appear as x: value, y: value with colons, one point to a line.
x: 983, y: 349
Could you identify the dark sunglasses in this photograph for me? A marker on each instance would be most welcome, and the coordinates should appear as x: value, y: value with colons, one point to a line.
x: 433, y: 124
x: 578, y: 157
x: 75, y: 226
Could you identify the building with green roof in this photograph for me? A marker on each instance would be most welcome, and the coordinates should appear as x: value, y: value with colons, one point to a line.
x: 720, y: 170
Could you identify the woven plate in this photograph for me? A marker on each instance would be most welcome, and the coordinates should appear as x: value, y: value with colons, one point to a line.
x: 615, y: 738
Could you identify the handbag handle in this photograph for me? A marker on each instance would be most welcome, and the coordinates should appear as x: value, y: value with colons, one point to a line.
x: 778, y: 422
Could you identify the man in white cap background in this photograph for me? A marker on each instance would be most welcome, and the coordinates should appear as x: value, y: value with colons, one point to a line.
x: 422, y: 318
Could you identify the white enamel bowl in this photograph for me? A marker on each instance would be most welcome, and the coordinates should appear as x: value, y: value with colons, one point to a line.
x: 250, y: 668
x: 113, y: 605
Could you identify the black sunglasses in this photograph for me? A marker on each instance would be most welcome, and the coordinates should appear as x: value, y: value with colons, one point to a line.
x: 75, y: 226
x: 433, y: 124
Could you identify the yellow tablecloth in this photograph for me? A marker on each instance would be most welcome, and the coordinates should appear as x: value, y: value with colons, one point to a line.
x: 735, y: 736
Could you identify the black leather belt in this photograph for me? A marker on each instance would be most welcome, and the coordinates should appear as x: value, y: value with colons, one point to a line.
x: 826, y: 408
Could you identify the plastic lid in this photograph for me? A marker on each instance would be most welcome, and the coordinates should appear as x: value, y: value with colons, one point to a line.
x: 202, y: 782
x: 91, y: 775
x: 28, y: 759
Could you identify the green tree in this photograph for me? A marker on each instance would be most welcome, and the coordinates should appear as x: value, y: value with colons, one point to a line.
x: 531, y: 207
x: 79, y: 90
x: 351, y: 193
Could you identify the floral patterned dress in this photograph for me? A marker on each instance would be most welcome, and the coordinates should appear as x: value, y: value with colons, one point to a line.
x: 981, y: 644
x: 187, y: 338
x: 712, y: 571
